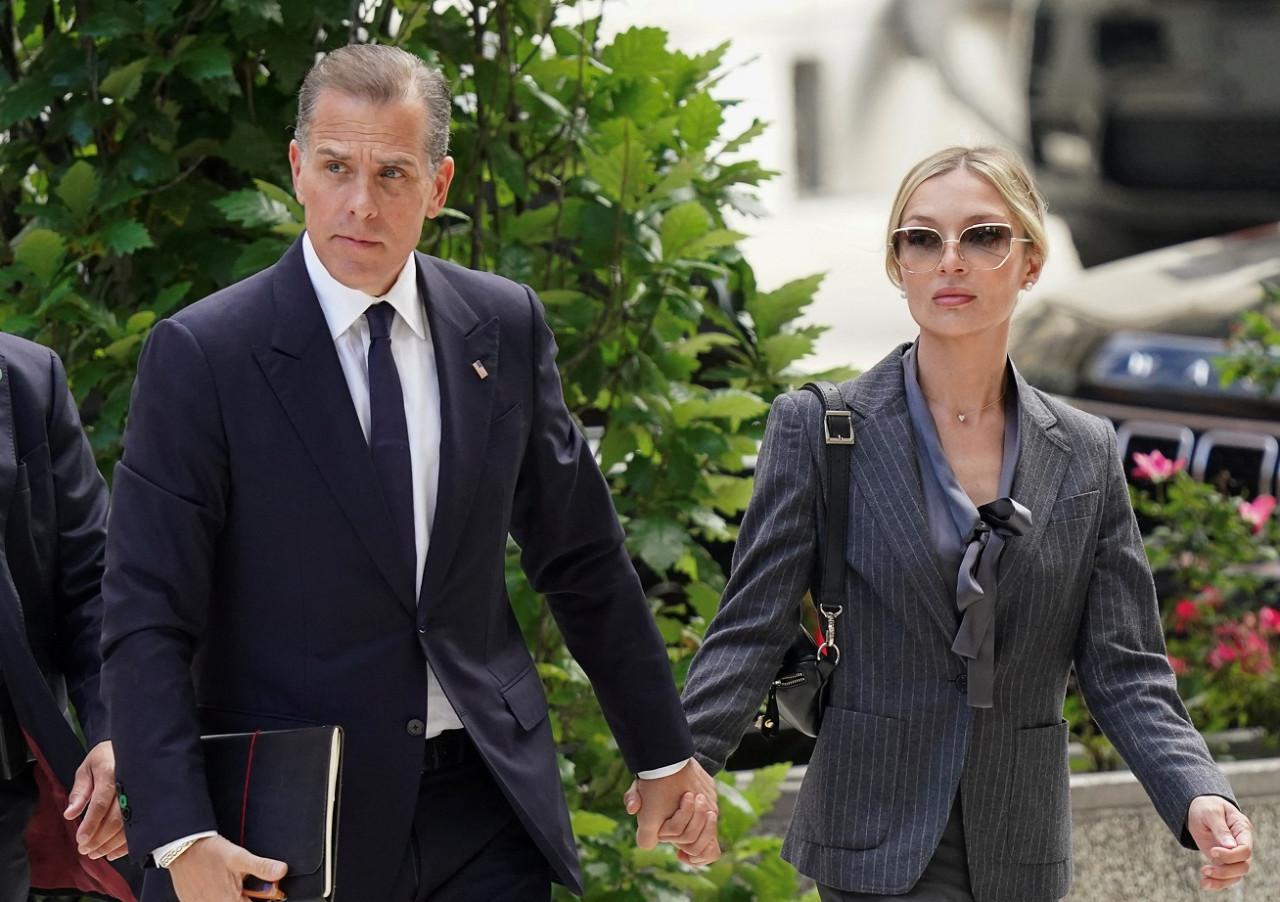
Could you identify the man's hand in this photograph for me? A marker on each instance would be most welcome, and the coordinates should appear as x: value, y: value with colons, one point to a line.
x: 680, y: 809
x: 1225, y: 836
x: 101, y: 833
x: 213, y: 870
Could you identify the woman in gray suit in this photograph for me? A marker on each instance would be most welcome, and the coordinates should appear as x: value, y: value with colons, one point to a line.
x: 992, y: 547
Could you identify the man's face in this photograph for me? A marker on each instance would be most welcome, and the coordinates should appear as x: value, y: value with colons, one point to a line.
x: 367, y: 185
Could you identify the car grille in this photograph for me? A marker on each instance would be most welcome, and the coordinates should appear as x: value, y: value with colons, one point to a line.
x: 1238, y: 455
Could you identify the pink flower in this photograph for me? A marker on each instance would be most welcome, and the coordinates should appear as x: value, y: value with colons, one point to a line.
x: 1269, y: 620
x: 1185, y: 613
x: 1239, y: 642
x: 1179, y: 665
x: 1257, y: 512
x: 1155, y: 466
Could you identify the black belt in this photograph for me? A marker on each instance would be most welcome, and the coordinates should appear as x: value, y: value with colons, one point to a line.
x: 448, y: 749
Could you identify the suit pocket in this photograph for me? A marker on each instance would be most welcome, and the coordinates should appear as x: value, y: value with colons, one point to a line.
x: 1075, y: 507
x: 525, y: 698
x: 854, y: 774
x: 1040, y: 804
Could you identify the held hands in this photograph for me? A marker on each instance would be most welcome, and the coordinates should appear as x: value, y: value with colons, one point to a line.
x: 101, y: 833
x: 214, y: 869
x: 680, y: 809
x: 1225, y: 836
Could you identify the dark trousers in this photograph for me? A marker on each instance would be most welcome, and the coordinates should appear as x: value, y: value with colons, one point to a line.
x: 17, y: 803
x: 945, y: 877
x: 467, y: 842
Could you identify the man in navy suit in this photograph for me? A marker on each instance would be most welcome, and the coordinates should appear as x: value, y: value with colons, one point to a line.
x: 299, y: 536
x: 53, y: 516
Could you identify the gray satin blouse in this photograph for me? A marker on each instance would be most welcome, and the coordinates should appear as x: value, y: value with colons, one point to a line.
x: 970, y: 540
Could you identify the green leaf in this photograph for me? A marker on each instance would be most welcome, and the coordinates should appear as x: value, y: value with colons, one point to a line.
x: 784, y: 349
x: 125, y: 236
x: 140, y: 321
x: 726, y: 403
x: 756, y: 129
x: 713, y: 241
x: 658, y: 541
x: 731, y: 493
x: 588, y: 824
x: 26, y: 99
x: 681, y: 226
x: 205, y: 59
x: 253, y: 208
x: 638, y: 51
x: 700, y: 121
x: 77, y: 189
x: 624, y: 172
x: 40, y: 252
x: 123, y: 83
x: 771, y: 310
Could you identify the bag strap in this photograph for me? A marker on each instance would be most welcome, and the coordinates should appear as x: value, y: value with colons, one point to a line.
x: 838, y: 437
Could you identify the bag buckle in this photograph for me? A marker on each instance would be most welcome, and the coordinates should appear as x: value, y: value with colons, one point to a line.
x: 842, y: 433
x: 830, y: 612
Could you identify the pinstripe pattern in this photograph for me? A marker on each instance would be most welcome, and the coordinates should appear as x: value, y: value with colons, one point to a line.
x: 899, y: 737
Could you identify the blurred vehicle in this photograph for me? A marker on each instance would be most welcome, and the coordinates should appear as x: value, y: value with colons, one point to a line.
x: 1155, y: 121
x: 1138, y: 341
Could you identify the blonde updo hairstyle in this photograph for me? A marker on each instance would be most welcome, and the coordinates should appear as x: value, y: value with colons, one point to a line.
x: 1002, y: 168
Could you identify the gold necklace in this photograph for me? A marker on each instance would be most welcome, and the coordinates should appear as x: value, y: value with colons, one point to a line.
x: 964, y: 416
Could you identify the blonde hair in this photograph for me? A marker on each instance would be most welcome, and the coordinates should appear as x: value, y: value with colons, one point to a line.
x: 380, y: 74
x: 1001, y: 167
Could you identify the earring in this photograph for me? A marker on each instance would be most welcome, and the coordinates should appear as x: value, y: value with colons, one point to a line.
x: 902, y: 293
x: 1029, y: 285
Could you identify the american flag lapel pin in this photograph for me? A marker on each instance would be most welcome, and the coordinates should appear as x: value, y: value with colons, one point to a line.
x: 480, y: 370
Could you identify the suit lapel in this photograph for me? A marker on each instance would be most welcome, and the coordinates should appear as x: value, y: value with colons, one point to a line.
x: 886, y: 488
x: 1042, y: 465
x: 460, y: 339
x: 303, y: 369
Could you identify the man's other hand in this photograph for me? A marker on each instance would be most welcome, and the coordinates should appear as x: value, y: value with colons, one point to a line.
x: 680, y: 809
x: 101, y: 833
x: 214, y: 868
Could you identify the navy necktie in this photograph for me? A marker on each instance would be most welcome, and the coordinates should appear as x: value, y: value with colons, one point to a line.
x: 389, y: 430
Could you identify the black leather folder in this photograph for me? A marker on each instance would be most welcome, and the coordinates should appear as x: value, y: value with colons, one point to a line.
x: 276, y: 793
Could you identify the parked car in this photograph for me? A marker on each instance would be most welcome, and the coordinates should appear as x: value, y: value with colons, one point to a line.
x: 1139, y: 341
x: 1155, y: 121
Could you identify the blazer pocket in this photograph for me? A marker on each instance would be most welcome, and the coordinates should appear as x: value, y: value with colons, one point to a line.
x: 1040, y: 804
x: 1083, y: 505
x: 855, y: 773
x: 525, y: 698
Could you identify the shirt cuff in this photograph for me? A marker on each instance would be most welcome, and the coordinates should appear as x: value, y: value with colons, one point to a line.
x: 178, y: 846
x: 659, y: 772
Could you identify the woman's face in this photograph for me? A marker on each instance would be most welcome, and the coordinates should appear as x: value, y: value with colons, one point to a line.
x: 954, y: 299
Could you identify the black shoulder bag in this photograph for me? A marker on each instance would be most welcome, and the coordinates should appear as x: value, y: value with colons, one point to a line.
x: 798, y: 693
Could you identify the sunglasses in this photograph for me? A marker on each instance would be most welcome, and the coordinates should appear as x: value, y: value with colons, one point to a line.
x: 984, y: 246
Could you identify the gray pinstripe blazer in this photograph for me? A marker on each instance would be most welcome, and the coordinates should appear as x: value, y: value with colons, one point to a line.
x: 899, y: 737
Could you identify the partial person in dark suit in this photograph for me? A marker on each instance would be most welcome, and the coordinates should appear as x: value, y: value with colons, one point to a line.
x: 991, y: 548
x: 309, y: 526
x: 53, y: 516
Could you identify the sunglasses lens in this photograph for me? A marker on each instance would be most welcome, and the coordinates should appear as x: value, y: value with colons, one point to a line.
x: 917, y: 250
x: 986, y: 246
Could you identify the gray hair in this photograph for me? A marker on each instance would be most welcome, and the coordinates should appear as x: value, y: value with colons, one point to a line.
x: 380, y: 74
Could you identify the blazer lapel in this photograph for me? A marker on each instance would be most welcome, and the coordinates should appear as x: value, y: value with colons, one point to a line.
x: 1042, y: 465
x: 886, y: 488
x: 461, y: 340
x: 303, y: 369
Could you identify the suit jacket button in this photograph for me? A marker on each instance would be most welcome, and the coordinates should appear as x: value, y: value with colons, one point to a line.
x: 415, y: 727
x: 962, y: 682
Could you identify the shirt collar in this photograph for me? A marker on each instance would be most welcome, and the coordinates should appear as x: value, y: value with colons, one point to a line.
x: 343, y: 306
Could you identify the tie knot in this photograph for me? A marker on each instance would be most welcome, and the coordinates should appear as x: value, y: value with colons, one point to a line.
x: 380, y: 316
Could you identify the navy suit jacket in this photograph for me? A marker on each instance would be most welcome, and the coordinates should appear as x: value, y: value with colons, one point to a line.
x: 53, y: 517
x: 252, y: 578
